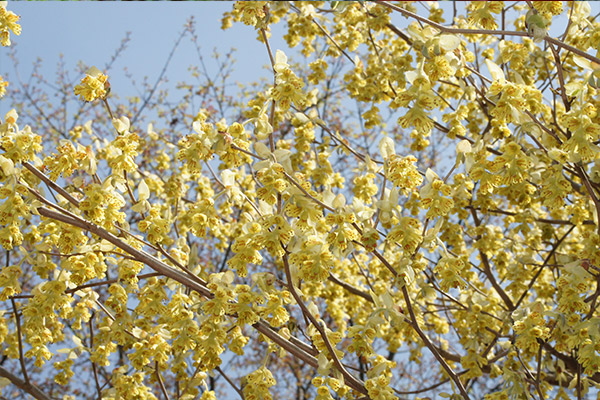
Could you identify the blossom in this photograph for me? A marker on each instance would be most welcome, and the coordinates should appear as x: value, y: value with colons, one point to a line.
x: 480, y: 13
x: 3, y: 85
x: 8, y: 22
x: 93, y: 86
x: 288, y: 87
x: 403, y: 173
x: 250, y: 12
x: 512, y: 165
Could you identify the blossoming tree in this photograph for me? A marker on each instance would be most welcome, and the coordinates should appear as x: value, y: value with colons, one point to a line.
x: 443, y: 241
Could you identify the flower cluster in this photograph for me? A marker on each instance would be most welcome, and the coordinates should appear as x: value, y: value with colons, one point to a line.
x: 3, y: 86
x: 94, y: 86
x: 102, y: 205
x: 258, y: 384
x: 18, y: 145
x: 246, y: 248
x: 314, y: 260
x: 343, y: 233
x: 433, y: 196
x: 41, y: 324
x: 128, y: 387
x: 65, y: 162
x: 157, y: 226
x: 251, y: 13
x: 403, y: 173
x: 123, y: 149
x: 407, y: 233
x: 9, y: 281
x: 480, y: 13
x: 530, y: 328
x: 8, y: 23
x: 512, y: 165
x: 13, y: 211
x: 84, y: 268
x: 288, y: 87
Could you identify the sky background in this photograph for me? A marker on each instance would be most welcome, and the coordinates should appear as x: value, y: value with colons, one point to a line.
x: 91, y: 32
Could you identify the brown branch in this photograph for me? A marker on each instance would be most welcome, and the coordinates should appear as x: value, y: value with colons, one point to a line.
x: 447, y: 29
x: 187, y: 385
x: 586, y: 181
x: 538, y: 273
x: 293, y: 181
x: 414, y: 323
x: 93, y: 284
x: 349, y: 379
x: 350, y: 288
x: 94, y: 366
x: 140, y: 255
x: 429, y: 345
x: 332, y: 40
x: 561, y: 79
x: 20, y: 340
x: 488, y: 271
x: 51, y: 183
x: 160, y: 381
x: 272, y: 114
x: 231, y: 383
x: 28, y: 387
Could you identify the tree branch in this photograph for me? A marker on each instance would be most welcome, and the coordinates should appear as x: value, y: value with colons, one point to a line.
x: 29, y: 388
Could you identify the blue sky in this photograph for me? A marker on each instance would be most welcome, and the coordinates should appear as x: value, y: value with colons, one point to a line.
x: 91, y: 31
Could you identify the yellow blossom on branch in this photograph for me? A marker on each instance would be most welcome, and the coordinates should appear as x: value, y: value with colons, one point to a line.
x: 93, y: 86
x: 8, y: 23
x: 3, y: 86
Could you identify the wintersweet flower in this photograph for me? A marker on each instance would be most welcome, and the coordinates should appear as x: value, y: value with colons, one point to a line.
x: 8, y: 22
x: 3, y: 85
x: 93, y: 86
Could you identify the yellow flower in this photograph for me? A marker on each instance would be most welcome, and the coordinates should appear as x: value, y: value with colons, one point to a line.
x: 93, y: 86
x: 8, y: 22
x: 3, y: 85
x: 208, y: 395
x: 250, y: 12
x: 403, y: 173
x: 9, y: 281
x: 512, y: 165
x: 480, y: 13
x: 65, y: 162
x: 433, y: 196
x: 288, y: 88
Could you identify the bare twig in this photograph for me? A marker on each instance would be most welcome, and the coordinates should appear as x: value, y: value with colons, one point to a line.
x: 446, y: 29
x: 231, y: 383
x: 94, y: 366
x: 350, y: 380
x: 160, y: 381
x: 20, y: 340
x: 28, y: 387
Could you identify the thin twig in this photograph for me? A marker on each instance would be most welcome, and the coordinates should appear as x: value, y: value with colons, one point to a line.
x: 443, y: 28
x: 233, y: 385
x: 50, y: 183
x: 160, y: 381
x: 350, y: 380
x: 28, y: 387
x: 20, y: 340
x: 159, y: 79
x: 94, y: 366
x: 414, y: 323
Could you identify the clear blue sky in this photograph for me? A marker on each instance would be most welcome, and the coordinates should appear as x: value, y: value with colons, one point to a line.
x: 91, y: 31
